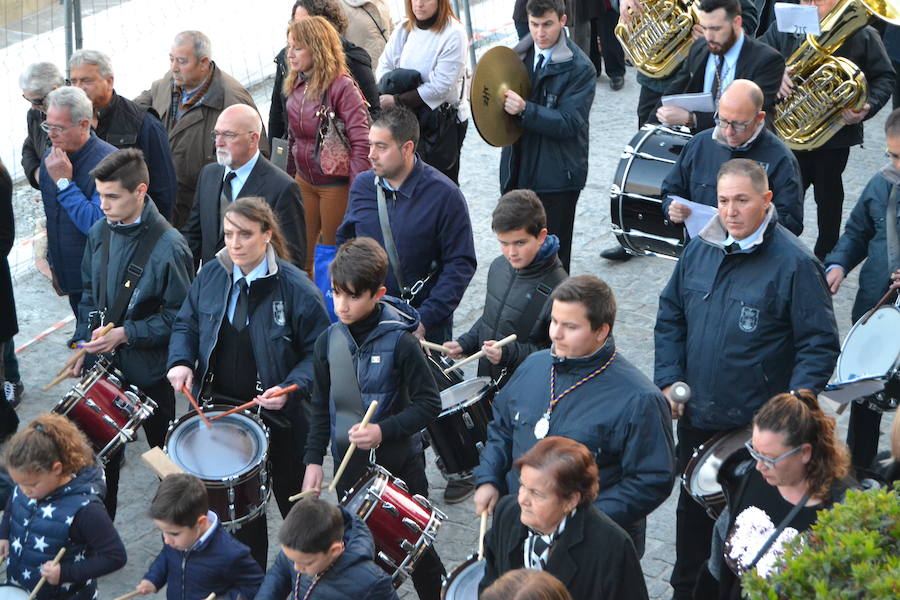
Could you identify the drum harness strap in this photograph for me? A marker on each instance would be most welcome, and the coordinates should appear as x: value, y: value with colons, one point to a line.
x: 345, y: 392
x: 149, y: 235
x: 406, y: 293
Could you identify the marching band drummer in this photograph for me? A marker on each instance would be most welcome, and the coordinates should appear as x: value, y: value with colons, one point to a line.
x: 136, y: 272
x: 870, y: 235
x: 823, y: 167
x: 553, y: 526
x: 745, y: 315
x: 583, y: 389
x: 252, y: 298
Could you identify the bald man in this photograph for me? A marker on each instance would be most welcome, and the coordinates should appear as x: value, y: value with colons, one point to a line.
x: 241, y: 171
x: 740, y: 132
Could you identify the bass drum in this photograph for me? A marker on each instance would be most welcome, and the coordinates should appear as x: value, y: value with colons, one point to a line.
x: 635, y: 196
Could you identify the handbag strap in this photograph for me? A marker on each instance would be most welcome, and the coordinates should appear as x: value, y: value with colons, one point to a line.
x: 784, y: 523
x: 389, y: 246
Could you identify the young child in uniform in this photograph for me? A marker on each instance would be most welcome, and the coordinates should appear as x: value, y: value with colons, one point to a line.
x: 57, y: 503
x: 199, y: 556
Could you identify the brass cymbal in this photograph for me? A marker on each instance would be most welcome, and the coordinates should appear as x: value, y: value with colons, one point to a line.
x: 499, y: 70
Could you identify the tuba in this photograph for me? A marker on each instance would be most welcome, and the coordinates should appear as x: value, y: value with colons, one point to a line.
x: 826, y: 85
x: 659, y: 38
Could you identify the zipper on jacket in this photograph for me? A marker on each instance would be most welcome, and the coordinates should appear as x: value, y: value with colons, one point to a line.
x: 216, y: 337
x: 184, y: 556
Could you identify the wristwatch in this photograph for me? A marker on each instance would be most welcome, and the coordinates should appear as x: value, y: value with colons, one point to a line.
x: 62, y: 183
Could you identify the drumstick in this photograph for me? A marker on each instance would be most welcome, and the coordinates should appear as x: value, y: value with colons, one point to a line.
x: 129, y: 595
x: 43, y: 579
x: 211, y: 597
x: 881, y: 302
x: 481, y: 532
x: 196, y: 406
x: 480, y: 353
x: 433, y: 346
x: 299, y: 495
x: 291, y: 388
x: 81, y: 351
x: 352, y: 447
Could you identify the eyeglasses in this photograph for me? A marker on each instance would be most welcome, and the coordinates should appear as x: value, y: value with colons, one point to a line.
x: 48, y: 128
x: 769, y: 463
x: 737, y: 126
x: 38, y: 102
x: 892, y: 155
x: 228, y: 135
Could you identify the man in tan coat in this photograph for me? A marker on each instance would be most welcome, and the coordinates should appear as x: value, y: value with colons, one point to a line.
x: 189, y: 99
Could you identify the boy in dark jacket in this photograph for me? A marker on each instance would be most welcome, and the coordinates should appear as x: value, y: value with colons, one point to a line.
x: 520, y: 282
x: 371, y: 354
x: 199, y: 556
x: 326, y: 553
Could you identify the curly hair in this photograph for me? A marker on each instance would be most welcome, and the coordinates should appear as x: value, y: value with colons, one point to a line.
x: 798, y: 417
x: 320, y: 38
x: 50, y: 438
x: 568, y: 464
x: 330, y: 9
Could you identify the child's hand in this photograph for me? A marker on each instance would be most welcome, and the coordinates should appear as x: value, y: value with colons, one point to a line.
x: 145, y: 587
x: 4, y: 549
x: 492, y: 354
x: 50, y: 572
x: 366, y: 439
x: 454, y: 349
x: 312, y: 479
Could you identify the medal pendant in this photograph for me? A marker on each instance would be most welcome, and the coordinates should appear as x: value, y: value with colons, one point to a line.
x: 542, y: 427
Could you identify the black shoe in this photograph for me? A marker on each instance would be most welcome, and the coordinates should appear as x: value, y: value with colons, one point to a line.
x: 617, y: 83
x: 13, y: 392
x: 617, y: 253
x: 459, y: 489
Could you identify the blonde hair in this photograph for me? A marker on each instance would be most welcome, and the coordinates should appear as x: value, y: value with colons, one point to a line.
x: 320, y: 37
x: 50, y: 438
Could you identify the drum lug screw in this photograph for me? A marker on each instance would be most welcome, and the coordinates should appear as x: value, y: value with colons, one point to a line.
x: 402, y: 485
x: 390, y: 508
x: 411, y: 525
x: 467, y: 419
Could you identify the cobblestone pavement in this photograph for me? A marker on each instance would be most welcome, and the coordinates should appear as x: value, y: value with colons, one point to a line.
x: 636, y: 284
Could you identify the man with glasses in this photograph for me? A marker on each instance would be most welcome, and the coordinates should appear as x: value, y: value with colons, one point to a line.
x: 38, y: 80
x: 188, y: 100
x: 242, y: 171
x: 70, y: 197
x: 124, y: 124
x: 740, y: 132
x: 823, y: 167
x: 868, y: 236
x: 746, y: 315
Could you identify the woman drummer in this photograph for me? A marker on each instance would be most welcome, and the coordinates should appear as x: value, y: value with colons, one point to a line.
x: 552, y: 525
x: 800, y: 468
x: 246, y: 330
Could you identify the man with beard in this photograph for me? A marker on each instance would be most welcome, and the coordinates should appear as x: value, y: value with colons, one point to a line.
x: 723, y: 54
x: 241, y: 171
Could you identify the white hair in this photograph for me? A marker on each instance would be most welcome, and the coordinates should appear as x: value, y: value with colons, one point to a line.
x: 41, y: 78
x: 73, y: 98
x: 92, y: 57
x: 200, y: 42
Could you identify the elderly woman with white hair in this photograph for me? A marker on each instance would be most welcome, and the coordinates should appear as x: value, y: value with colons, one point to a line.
x: 38, y: 80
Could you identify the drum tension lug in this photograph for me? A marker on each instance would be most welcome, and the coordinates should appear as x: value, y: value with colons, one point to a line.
x: 411, y: 525
x: 401, y: 484
x: 467, y: 419
x: 407, y: 546
x: 390, y: 508
x: 387, y: 559
x: 422, y: 500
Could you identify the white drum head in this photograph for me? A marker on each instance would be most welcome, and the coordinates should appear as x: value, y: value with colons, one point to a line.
x: 871, y: 349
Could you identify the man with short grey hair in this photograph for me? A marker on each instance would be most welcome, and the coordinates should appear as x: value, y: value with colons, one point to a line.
x: 188, y: 100
x: 125, y: 124
x: 38, y: 80
x: 70, y: 197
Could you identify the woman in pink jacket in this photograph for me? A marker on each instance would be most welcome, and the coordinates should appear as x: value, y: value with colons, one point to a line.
x: 319, y: 78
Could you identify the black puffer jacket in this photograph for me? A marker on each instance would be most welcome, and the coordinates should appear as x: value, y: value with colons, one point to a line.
x: 509, y: 293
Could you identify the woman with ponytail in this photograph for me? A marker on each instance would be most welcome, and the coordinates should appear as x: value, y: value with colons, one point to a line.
x: 57, y: 504
x: 800, y: 468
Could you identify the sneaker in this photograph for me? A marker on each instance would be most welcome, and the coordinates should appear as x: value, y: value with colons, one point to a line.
x: 459, y: 489
x: 13, y: 392
x: 617, y: 253
x: 617, y: 83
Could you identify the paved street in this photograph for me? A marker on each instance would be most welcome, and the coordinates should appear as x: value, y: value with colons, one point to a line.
x: 636, y: 284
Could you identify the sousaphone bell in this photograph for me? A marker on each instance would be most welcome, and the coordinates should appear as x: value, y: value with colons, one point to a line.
x: 499, y: 70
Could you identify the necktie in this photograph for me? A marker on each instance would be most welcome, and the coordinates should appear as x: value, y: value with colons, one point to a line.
x: 225, y: 197
x: 717, y: 79
x: 239, y: 319
x: 540, y: 62
x: 732, y: 247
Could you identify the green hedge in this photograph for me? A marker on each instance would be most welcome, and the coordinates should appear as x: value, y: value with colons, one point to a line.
x: 852, y: 552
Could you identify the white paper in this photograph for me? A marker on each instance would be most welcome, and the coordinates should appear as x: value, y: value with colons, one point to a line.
x: 797, y: 18
x: 702, y: 102
x: 699, y: 217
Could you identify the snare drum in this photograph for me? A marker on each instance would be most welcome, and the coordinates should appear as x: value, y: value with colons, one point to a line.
x: 636, y: 193
x: 105, y: 408
x: 230, y: 458
x: 10, y: 591
x: 460, y: 431
x: 403, y: 526
x: 700, y: 477
x: 462, y: 584
x: 871, y: 350
x: 439, y: 362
